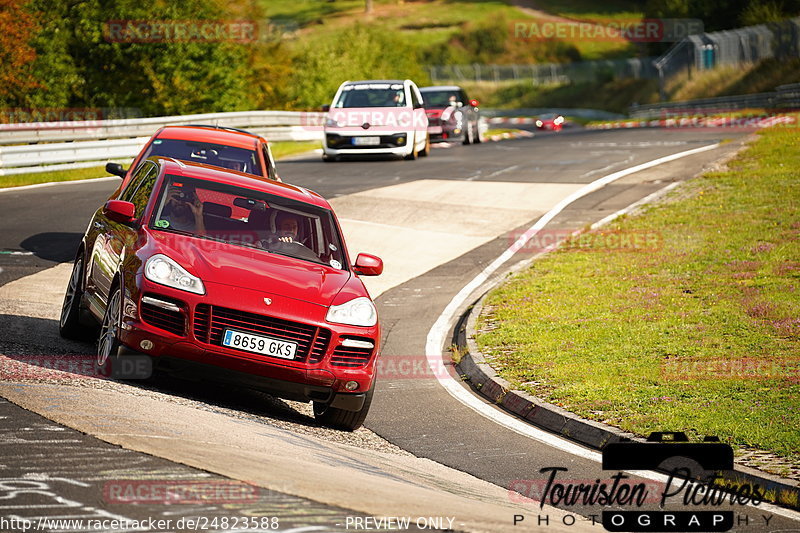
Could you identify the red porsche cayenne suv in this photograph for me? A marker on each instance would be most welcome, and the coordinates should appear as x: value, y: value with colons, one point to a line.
x: 221, y: 273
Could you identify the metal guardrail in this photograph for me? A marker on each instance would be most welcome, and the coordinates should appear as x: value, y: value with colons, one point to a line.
x: 545, y: 73
x: 37, y: 147
x: 784, y: 97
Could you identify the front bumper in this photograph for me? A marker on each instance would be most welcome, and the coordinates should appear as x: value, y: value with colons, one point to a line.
x: 184, y: 333
x: 343, y: 142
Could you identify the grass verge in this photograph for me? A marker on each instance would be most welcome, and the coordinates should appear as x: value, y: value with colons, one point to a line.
x: 698, y: 331
x: 286, y: 148
x: 18, y: 180
x: 279, y: 149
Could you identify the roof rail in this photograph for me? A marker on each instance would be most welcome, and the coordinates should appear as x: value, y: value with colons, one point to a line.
x: 216, y: 127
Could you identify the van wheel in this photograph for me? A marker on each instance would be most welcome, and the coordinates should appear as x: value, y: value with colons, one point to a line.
x: 478, y: 138
x: 413, y: 155
x: 427, y: 150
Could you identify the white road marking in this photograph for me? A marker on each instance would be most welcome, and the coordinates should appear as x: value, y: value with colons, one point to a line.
x: 436, y: 335
x: 607, y: 167
x: 438, y: 332
x: 502, y: 171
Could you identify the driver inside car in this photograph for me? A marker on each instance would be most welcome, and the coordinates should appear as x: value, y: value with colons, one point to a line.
x: 287, y: 226
x: 287, y: 229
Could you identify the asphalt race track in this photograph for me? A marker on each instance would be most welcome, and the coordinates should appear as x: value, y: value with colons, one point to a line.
x: 436, y: 222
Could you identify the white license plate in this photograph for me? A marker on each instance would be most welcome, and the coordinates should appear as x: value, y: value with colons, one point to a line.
x: 366, y: 141
x: 259, y: 344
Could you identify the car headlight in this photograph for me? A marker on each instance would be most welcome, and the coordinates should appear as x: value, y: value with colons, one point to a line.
x: 333, y: 123
x: 539, y: 123
x: 164, y: 271
x: 357, y: 312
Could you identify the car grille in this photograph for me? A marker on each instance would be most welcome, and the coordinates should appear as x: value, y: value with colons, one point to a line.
x: 349, y: 357
x: 210, y: 322
x: 346, y: 142
x: 172, y: 321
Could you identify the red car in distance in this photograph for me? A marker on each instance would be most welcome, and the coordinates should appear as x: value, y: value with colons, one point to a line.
x: 217, y: 146
x: 220, y: 273
x: 550, y: 121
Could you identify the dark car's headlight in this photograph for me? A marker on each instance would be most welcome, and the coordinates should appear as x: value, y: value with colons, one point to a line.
x: 357, y: 312
x: 164, y: 271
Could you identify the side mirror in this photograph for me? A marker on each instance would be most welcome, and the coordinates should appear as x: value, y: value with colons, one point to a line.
x: 368, y: 265
x: 474, y: 103
x: 116, y: 169
x: 119, y: 211
x: 326, y: 108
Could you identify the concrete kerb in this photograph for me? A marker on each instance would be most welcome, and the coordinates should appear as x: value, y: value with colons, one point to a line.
x: 474, y: 367
x: 547, y: 416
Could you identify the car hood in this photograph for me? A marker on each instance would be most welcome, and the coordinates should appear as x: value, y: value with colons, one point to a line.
x: 237, y: 266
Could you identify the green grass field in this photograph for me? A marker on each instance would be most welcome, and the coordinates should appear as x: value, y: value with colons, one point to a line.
x: 698, y: 331
x: 426, y: 27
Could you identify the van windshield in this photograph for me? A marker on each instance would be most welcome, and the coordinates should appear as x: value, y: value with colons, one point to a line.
x: 371, y: 95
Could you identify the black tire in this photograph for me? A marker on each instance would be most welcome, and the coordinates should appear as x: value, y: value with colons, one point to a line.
x: 108, y: 343
x: 69, y: 325
x: 413, y: 155
x: 478, y: 138
x: 427, y: 150
x: 468, y: 134
x: 341, y: 419
x: 330, y: 158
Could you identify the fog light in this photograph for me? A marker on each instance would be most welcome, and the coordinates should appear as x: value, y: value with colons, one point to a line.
x: 401, y: 141
x: 146, y: 345
x: 351, y: 385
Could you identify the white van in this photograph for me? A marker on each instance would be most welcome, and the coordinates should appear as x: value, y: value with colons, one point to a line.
x: 376, y: 117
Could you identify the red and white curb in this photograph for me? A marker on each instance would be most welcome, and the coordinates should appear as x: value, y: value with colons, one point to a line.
x: 698, y: 122
x: 512, y: 120
x: 508, y: 135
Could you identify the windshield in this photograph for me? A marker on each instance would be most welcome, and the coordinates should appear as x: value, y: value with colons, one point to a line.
x: 248, y: 218
x: 372, y: 95
x: 217, y: 155
x: 440, y: 98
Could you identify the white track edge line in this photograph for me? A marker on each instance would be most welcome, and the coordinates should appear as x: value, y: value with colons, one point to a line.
x: 436, y: 336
